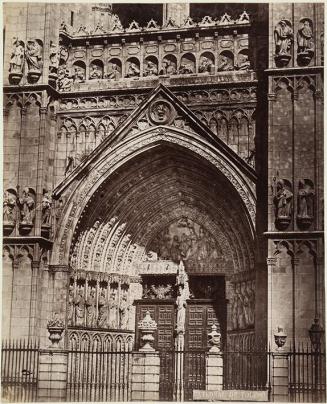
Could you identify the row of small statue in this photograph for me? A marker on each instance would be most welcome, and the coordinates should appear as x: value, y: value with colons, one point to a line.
x: 92, y: 309
x: 283, y: 198
x: 32, y: 53
x: 243, y: 305
x: 25, y: 202
x: 284, y: 37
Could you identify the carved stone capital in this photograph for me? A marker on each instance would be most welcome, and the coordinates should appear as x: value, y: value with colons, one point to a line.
x: 271, y: 97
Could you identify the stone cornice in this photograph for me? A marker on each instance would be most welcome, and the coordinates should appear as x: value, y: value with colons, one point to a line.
x: 27, y: 240
x: 294, y: 234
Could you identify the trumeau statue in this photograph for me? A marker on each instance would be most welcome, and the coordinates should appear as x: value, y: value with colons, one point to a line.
x: 183, y: 295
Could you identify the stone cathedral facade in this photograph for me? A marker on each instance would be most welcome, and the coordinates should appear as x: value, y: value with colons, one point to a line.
x: 143, y: 148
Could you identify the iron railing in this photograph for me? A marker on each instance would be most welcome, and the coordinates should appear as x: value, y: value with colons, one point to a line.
x: 181, y: 372
x: 95, y: 375
x: 19, y: 370
x: 307, y: 375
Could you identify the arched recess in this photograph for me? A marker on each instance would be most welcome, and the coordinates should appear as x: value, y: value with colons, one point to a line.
x: 83, y: 191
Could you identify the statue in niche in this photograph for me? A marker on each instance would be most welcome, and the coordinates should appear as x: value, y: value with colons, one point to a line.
x: 124, y: 308
x: 244, y: 63
x: 33, y: 55
x: 46, y: 208
x: 113, y: 307
x: 305, y: 202
x: 283, y: 198
x: 102, y: 310
x: 186, y: 68
x: 79, y: 303
x: 226, y: 64
x: 206, y: 65
x: 9, y: 204
x: 305, y: 49
x: 251, y: 298
x: 240, y: 307
x: 245, y: 304
x: 150, y: 69
x: 90, y: 305
x: 114, y: 72
x: 168, y: 67
x: 64, y: 82
x: 305, y: 37
x: 27, y: 207
x: 133, y: 70
x: 175, y: 249
x: 95, y: 72
x: 234, y: 312
x: 283, y: 35
x: 71, y: 306
x: 79, y: 74
x: 17, y: 57
x: 54, y: 57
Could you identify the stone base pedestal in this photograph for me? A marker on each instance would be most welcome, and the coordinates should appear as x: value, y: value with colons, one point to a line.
x: 52, y: 375
x: 214, y: 379
x: 145, y: 376
x: 280, y: 378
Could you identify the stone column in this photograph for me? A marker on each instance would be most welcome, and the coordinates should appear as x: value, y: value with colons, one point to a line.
x: 52, y: 377
x: 280, y: 377
x: 146, y: 365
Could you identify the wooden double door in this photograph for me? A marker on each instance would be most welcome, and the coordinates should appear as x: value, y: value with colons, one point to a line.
x: 189, y: 372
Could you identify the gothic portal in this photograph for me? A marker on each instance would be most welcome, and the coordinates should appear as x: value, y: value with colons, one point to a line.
x: 163, y: 159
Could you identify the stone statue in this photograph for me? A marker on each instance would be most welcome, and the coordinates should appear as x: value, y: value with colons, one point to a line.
x: 79, y: 303
x: 186, y: 68
x: 283, y: 200
x: 133, y: 70
x: 114, y: 72
x: 245, y: 63
x: 245, y: 304
x: 124, y: 308
x: 17, y: 57
x: 251, y: 297
x: 205, y: 65
x: 79, y: 74
x: 305, y: 37
x: 95, y: 72
x: 33, y: 55
x: 71, y: 306
x: 113, y: 307
x: 305, y: 200
x: 102, y: 310
x: 240, y: 307
x: 168, y: 67
x: 46, y: 208
x: 27, y: 207
x: 54, y: 57
x: 225, y: 64
x: 64, y: 82
x: 90, y: 305
x: 234, y: 313
x: 9, y: 204
x: 283, y: 35
x: 150, y: 69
